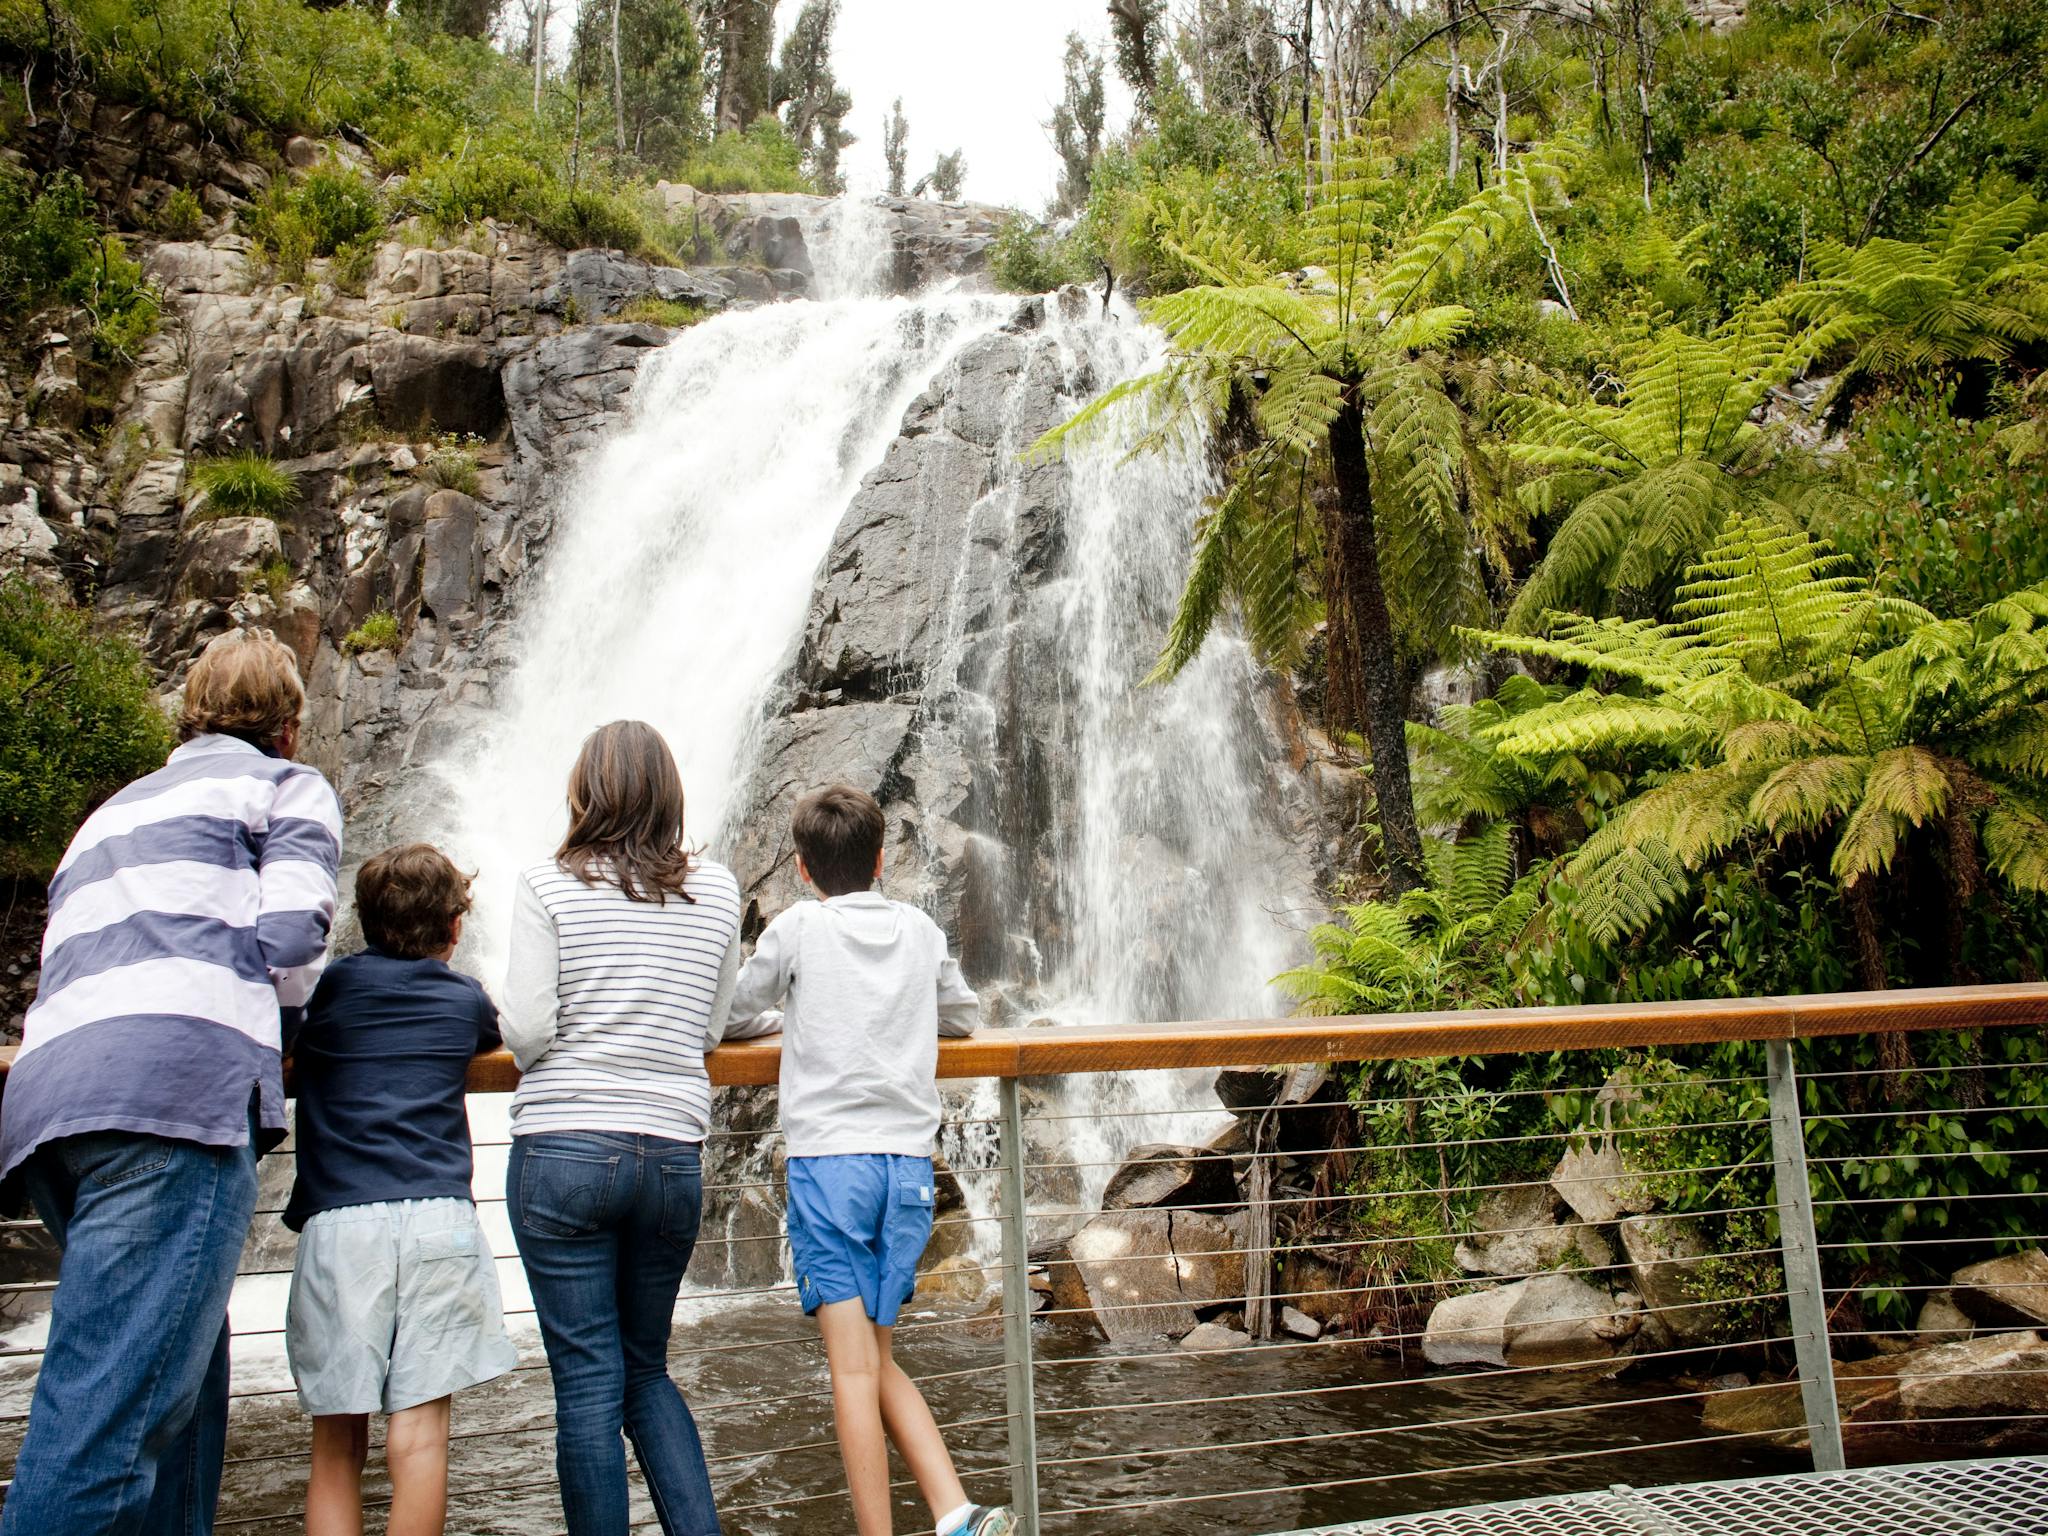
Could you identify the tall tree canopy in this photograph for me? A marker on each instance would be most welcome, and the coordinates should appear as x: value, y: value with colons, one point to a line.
x: 1077, y: 122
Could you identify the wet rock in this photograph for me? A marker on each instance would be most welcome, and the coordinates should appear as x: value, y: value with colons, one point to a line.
x: 601, y: 283
x: 1663, y: 1254
x: 1519, y: 1232
x: 1155, y: 1175
x: 955, y: 1279
x: 1992, y: 1376
x: 1204, y: 1337
x: 2007, y: 1292
x: 1560, y: 1319
x: 1593, y: 1182
x: 1469, y: 1329
x: 426, y: 385
x: 1546, y: 1320
x: 1944, y: 1394
x: 1299, y: 1324
x: 1142, y: 1274
x: 1941, y: 1321
x: 565, y: 392
x: 451, y: 581
x: 224, y: 554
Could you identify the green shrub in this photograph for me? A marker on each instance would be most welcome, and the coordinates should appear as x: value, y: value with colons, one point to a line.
x: 78, y: 719
x: 245, y: 484
x: 1948, y: 512
x: 54, y: 252
x: 451, y: 469
x: 274, y: 580
x: 1028, y: 257
x: 676, y: 314
x: 181, y: 217
x: 378, y: 632
x: 329, y: 210
x: 763, y: 159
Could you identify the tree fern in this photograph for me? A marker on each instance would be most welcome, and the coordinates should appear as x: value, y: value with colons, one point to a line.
x: 1356, y: 506
x: 1441, y: 944
x: 1644, y: 484
x: 1973, y: 292
x: 1793, y: 701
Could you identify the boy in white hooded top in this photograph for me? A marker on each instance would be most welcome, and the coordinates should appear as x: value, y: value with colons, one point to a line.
x: 869, y: 989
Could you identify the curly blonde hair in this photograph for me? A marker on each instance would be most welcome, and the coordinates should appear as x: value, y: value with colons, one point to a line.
x: 243, y: 684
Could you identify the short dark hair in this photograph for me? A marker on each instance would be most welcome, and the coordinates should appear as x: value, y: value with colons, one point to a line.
x: 838, y: 830
x: 408, y: 899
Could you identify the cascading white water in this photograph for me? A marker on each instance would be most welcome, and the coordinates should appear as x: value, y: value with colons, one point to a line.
x: 676, y: 583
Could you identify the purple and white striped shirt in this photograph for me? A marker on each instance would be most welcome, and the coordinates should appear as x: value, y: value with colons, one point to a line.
x: 188, y: 924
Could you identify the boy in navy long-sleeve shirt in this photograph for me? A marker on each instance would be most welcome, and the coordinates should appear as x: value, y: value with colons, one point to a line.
x: 394, y: 1303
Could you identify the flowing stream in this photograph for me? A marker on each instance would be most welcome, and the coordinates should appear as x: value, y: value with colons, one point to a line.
x: 1164, y: 882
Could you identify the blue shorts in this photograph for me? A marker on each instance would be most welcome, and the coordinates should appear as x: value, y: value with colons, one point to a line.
x: 858, y: 1224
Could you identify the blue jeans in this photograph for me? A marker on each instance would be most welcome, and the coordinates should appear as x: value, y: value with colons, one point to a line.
x: 130, y: 1416
x: 605, y: 1223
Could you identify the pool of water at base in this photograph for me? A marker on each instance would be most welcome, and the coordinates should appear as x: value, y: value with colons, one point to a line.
x: 755, y: 1378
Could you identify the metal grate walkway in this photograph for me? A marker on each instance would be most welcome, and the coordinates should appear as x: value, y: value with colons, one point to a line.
x: 2006, y: 1496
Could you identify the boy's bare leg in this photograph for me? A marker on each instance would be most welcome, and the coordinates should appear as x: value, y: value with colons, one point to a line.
x: 915, y: 1434
x: 855, y: 1360
x: 416, y: 1454
x: 334, y: 1491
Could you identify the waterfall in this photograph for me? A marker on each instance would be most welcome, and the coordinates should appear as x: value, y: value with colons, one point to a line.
x: 675, y: 585
x: 1127, y: 851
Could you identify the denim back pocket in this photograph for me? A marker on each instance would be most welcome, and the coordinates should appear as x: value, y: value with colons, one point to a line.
x: 682, y: 1202
x: 564, y: 1194
x: 115, y: 1157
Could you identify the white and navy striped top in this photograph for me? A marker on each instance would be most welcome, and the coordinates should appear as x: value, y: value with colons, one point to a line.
x: 609, y: 1005
x: 188, y: 924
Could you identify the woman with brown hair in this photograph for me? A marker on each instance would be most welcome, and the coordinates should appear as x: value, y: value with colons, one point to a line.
x: 623, y: 951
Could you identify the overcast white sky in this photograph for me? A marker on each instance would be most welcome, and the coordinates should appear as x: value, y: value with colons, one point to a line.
x: 978, y: 75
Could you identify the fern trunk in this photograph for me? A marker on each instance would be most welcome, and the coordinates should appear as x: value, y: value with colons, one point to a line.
x: 1372, y: 627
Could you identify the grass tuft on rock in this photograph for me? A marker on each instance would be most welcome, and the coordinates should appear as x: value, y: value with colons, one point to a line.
x: 247, y: 484
x: 378, y: 632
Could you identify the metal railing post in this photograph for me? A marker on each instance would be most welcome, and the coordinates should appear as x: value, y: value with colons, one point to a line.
x: 1800, y: 1246
x: 1022, y: 1407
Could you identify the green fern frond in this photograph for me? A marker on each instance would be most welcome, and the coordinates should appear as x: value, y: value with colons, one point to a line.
x: 2016, y: 842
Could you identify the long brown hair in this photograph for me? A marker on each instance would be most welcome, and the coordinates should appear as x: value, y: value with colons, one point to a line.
x: 626, y: 814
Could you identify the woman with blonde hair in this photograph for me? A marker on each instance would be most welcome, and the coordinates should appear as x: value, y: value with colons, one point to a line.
x: 623, y: 951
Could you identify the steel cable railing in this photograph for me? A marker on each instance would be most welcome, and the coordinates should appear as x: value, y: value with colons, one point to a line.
x: 1392, y: 1223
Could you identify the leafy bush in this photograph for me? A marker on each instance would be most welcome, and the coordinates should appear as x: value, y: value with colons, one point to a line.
x: 1028, y: 257
x: 454, y: 194
x: 274, y: 580
x: 328, y: 211
x: 78, y: 719
x: 54, y: 252
x: 1948, y: 513
x: 451, y: 468
x: 378, y: 632
x: 763, y: 159
x: 245, y: 484
x: 181, y: 217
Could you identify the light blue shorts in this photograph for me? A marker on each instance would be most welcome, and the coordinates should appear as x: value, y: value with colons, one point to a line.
x: 393, y: 1304
x: 858, y: 1224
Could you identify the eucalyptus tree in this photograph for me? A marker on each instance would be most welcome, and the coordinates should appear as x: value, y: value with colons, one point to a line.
x: 1077, y: 122
x: 814, y: 106
x: 896, y: 146
x: 1355, y: 495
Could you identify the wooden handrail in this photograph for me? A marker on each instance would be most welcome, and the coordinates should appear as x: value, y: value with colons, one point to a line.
x: 1055, y: 1050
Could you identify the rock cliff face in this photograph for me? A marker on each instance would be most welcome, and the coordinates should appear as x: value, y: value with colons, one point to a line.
x: 424, y: 410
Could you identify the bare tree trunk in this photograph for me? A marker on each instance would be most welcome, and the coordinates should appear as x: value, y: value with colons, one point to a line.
x: 1500, y: 97
x: 540, y: 50
x: 618, y: 83
x: 1451, y: 93
x: 1308, y: 37
x: 1365, y: 595
x: 1328, y: 134
x: 1646, y: 69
